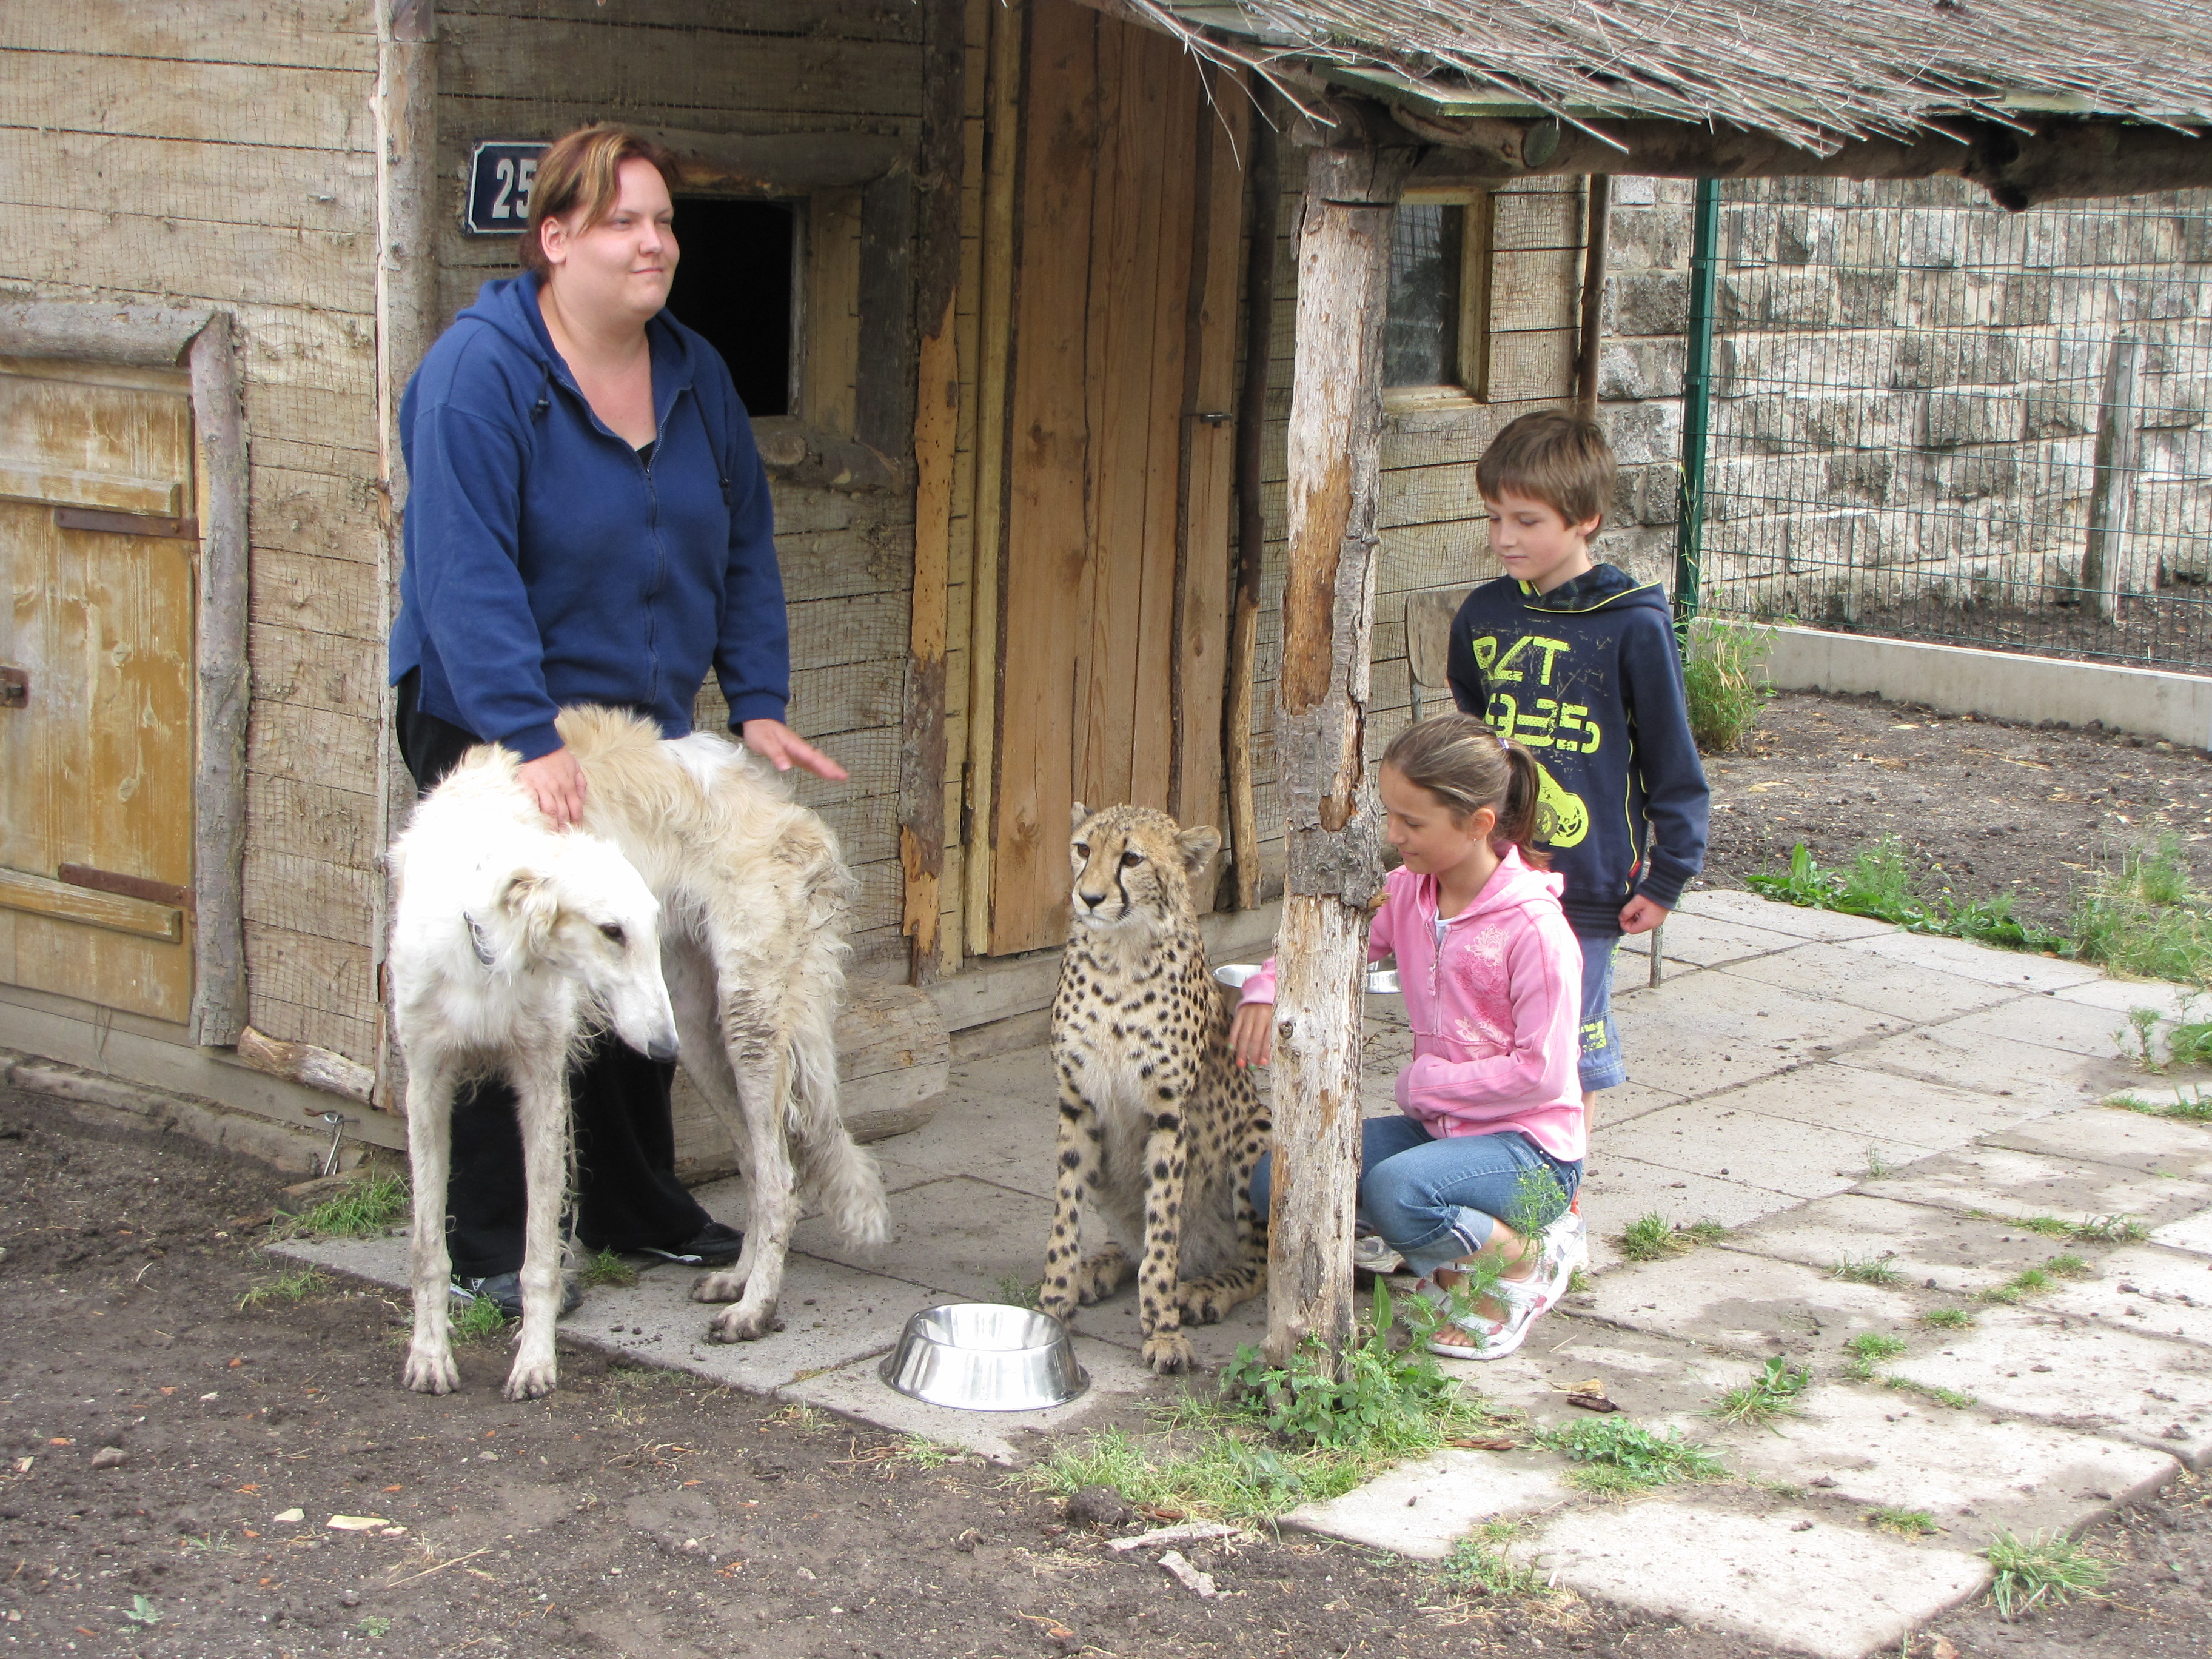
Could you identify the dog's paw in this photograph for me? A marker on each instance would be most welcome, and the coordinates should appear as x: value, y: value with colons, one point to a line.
x: 1169, y: 1352
x: 736, y: 1325
x: 727, y: 1285
x: 429, y: 1373
x: 529, y: 1379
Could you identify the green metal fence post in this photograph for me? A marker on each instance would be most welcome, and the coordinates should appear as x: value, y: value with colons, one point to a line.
x: 1696, y: 407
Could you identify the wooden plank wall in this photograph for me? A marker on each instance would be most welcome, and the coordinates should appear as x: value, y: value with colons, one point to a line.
x: 221, y: 154
x: 1431, y: 523
x: 534, y: 69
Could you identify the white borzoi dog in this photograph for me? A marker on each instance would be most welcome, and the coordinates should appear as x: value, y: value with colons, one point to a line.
x: 752, y: 896
x: 510, y: 944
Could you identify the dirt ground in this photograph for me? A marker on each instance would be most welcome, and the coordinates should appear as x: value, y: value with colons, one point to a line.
x: 1981, y: 806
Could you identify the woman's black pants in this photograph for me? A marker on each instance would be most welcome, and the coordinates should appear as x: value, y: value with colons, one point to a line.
x: 626, y: 1194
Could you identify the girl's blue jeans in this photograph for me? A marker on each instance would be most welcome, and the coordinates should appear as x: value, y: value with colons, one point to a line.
x: 1438, y: 1201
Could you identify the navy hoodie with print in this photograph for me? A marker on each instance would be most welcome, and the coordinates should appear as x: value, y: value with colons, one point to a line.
x: 549, y: 563
x: 1588, y: 678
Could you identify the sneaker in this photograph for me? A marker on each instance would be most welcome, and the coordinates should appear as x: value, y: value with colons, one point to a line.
x: 1371, y: 1254
x: 1570, y: 1232
x: 504, y: 1292
x: 714, y: 1246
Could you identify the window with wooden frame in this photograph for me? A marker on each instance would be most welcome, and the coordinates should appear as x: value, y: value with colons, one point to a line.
x: 1435, y: 348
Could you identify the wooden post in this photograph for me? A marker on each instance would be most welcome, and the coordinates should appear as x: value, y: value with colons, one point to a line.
x: 1597, y: 225
x: 406, y: 109
x: 1267, y: 189
x: 1335, y: 866
x: 2113, y: 490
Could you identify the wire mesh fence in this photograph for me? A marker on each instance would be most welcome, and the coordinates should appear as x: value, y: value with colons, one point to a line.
x: 1933, y: 419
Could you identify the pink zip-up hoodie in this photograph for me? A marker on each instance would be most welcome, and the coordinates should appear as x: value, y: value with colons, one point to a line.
x: 1495, y: 1010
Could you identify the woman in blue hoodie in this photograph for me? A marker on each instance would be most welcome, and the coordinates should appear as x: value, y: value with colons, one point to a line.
x: 587, y: 522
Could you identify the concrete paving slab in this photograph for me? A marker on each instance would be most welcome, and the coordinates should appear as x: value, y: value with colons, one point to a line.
x: 997, y: 1121
x: 1628, y: 1100
x: 1879, y: 1107
x: 2114, y: 1135
x: 2047, y: 1023
x: 963, y: 1237
x: 2119, y: 995
x: 2142, y: 1389
x: 1617, y: 1190
x: 1882, y: 1449
x: 1698, y: 1034
x: 1700, y: 941
x: 2013, y: 969
x: 1422, y: 1509
x: 1117, y: 1383
x: 1959, y: 1254
x: 1835, y: 973
x: 2042, y: 1079
x: 1650, y: 1378
x: 1733, y: 904
x: 1999, y: 1183
x: 1719, y: 1138
x: 1747, y: 1303
x: 1785, y: 1577
x: 2144, y: 1288
x: 2192, y: 1233
x: 1115, y: 1320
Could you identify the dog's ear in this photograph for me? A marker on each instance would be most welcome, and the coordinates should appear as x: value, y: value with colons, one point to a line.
x: 1198, y: 846
x: 1076, y: 815
x: 533, y: 904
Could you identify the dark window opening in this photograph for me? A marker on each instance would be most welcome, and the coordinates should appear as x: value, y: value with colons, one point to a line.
x: 1420, y: 341
x: 733, y: 285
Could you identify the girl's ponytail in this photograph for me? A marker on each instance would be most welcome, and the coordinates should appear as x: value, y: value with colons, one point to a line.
x: 1523, y: 815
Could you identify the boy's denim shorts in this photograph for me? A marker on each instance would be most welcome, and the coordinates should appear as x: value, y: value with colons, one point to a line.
x: 1601, y: 1064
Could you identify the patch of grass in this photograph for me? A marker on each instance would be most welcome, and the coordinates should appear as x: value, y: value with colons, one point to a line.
x: 1719, y: 683
x: 1941, y: 1396
x: 2192, y: 1106
x: 1906, y: 1523
x: 1479, y: 1566
x: 1577, y: 1282
x: 1864, y: 1273
x: 479, y: 1320
x: 375, y: 1625
x: 1650, y: 1238
x: 1949, y: 1319
x: 1705, y: 1232
x: 363, y: 1209
x: 2144, y: 918
x: 605, y: 1269
x: 2027, y: 1282
x: 2049, y: 1225
x: 2067, y: 1265
x: 296, y: 1285
x: 2042, y: 1567
x: 2108, y: 1229
x: 1876, y: 1168
x: 1616, y: 1456
x: 1773, y: 1393
x: 1014, y: 1291
x: 807, y: 1420
x: 2189, y: 1042
x: 924, y: 1453
x: 1868, y: 1349
x: 1223, y: 1475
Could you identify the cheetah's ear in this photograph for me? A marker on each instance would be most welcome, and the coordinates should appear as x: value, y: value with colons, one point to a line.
x: 1198, y: 846
x: 1076, y: 816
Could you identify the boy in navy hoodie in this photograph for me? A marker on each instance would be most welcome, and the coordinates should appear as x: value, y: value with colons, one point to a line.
x: 1577, y: 660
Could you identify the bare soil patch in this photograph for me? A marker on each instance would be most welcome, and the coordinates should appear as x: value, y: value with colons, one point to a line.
x: 1981, y: 807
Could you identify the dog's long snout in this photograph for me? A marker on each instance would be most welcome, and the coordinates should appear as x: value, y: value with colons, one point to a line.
x: 662, y: 1047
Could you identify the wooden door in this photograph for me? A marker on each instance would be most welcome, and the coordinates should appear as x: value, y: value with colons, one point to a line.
x: 96, y: 728
x: 1114, y: 617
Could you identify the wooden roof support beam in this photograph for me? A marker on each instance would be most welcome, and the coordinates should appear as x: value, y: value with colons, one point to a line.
x: 2062, y: 158
x: 1334, y: 855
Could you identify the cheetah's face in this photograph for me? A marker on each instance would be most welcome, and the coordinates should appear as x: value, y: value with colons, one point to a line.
x: 1131, y: 863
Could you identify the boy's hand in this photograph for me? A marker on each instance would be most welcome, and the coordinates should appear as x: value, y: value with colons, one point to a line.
x: 1641, y: 914
x: 1252, y: 1033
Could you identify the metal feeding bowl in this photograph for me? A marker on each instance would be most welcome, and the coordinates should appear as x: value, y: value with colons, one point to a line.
x: 985, y: 1356
x: 1381, y: 981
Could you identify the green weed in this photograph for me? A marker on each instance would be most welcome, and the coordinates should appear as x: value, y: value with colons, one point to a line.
x: 1225, y: 1475
x: 2044, y: 1566
x: 2143, y: 917
x: 1577, y: 1282
x: 1616, y: 1456
x: 2193, y: 1106
x: 1906, y: 1523
x: 603, y: 1268
x: 924, y: 1453
x: 2067, y: 1265
x: 2189, y: 1042
x: 479, y: 1320
x: 363, y: 1210
x: 1941, y: 1396
x: 1868, y: 1349
x: 1479, y: 1566
x: 1875, y: 1167
x: 1864, y: 1273
x: 1949, y: 1319
x: 375, y: 1625
x: 805, y: 1420
x: 1719, y: 682
x: 1015, y: 1292
x: 2108, y: 1229
x: 1705, y: 1232
x: 2143, y: 1023
x: 1773, y: 1393
x: 143, y: 1612
x: 296, y: 1285
x: 2049, y: 1225
x: 1649, y: 1238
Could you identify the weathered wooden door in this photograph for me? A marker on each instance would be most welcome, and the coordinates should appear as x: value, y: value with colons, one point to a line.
x: 96, y: 727
x: 1113, y: 624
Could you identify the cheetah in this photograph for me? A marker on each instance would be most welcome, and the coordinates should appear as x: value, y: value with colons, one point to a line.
x: 1159, y: 1127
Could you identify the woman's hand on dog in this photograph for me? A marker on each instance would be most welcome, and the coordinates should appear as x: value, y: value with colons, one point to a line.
x: 783, y: 749
x: 1252, y: 1033
x: 556, y: 782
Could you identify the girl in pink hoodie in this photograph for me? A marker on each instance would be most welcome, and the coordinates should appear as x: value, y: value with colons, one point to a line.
x: 1468, y: 1184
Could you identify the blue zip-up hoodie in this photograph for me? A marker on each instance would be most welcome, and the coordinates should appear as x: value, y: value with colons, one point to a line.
x: 1587, y: 676
x: 547, y: 564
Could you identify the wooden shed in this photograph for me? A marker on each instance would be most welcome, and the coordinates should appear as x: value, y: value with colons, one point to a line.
x: 1017, y: 294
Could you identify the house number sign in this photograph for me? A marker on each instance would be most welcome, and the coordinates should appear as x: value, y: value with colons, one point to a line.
x: 500, y: 174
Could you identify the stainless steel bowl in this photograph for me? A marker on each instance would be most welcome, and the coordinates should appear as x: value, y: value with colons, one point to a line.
x: 985, y: 1356
x: 1381, y: 981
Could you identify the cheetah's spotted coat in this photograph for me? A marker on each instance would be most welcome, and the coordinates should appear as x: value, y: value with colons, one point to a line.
x: 1158, y: 1125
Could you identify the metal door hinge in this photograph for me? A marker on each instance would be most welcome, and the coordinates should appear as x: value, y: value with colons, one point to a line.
x: 14, y: 687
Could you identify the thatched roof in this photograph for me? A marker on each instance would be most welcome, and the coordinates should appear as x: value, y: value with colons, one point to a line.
x: 1815, y: 72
